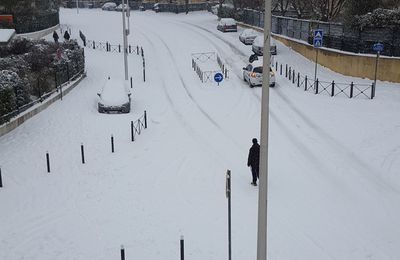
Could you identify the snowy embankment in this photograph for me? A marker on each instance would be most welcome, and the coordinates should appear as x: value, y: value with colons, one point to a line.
x: 333, y: 184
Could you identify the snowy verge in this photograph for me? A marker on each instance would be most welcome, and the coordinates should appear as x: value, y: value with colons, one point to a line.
x: 34, y: 110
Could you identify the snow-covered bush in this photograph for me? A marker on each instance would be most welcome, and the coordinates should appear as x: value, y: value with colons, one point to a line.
x: 9, y: 81
x: 378, y: 18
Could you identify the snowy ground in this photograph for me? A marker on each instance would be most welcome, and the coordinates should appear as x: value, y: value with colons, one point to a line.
x: 334, y: 189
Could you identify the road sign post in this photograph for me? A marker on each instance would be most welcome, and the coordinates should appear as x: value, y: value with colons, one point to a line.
x: 218, y: 77
x: 378, y: 47
x: 318, y: 39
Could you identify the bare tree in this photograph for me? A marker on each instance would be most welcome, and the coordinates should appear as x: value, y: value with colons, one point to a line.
x: 301, y: 7
x: 327, y: 10
x: 281, y: 6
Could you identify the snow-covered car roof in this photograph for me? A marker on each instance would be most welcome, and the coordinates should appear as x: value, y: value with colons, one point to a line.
x: 259, y: 41
x: 109, y: 4
x: 115, y: 92
x: 227, y: 21
x: 249, y: 32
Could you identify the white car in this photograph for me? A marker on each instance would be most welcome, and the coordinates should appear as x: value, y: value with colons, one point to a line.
x: 258, y: 46
x: 227, y: 25
x: 115, y: 96
x: 248, y: 36
x: 119, y: 7
x: 252, y: 74
x: 109, y: 6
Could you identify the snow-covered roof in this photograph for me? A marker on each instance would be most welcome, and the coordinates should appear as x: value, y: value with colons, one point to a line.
x: 6, y: 35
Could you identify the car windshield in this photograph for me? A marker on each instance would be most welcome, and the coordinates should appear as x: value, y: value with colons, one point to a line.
x: 258, y: 70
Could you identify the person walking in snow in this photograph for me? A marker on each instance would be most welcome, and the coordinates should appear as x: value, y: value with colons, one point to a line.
x: 254, y: 160
x: 66, y: 36
x: 55, y: 36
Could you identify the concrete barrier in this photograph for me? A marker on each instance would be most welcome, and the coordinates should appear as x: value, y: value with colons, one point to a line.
x: 19, y: 120
x: 346, y: 63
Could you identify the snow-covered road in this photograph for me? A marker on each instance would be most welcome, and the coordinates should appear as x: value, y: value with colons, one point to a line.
x: 334, y: 189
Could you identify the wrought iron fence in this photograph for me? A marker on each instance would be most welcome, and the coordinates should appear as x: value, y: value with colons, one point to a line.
x: 336, y: 35
x: 27, y: 24
x: 316, y: 86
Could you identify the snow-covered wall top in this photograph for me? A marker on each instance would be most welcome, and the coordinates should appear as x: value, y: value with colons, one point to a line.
x: 6, y: 35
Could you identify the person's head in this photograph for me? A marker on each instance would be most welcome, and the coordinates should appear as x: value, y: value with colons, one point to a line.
x: 254, y: 140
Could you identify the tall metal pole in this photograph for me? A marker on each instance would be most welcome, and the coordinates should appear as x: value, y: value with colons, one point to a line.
x: 228, y: 195
x: 125, y: 39
x: 77, y: 6
x: 263, y: 187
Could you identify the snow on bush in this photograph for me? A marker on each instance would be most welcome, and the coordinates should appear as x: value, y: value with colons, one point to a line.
x: 378, y: 18
x: 9, y: 81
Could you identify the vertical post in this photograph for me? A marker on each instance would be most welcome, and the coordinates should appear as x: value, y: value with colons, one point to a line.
x: 316, y: 86
x: 132, y: 133
x: 298, y: 79
x: 1, y: 181
x: 48, y: 162
x: 333, y: 88
x: 290, y: 73
x: 281, y: 70
x: 119, y: 47
x: 305, y: 83
x: 294, y: 76
x: 130, y: 49
x: 276, y: 66
x: 125, y: 39
x: 94, y: 45
x: 122, y: 252
x: 131, y: 83
x: 372, y: 90
x: 77, y: 7
x: 316, y: 64
x: 351, y: 89
x: 182, y: 247
x: 82, y: 154
x: 144, y: 71
x: 112, y: 143
x: 376, y: 72
x: 61, y: 93
x: 137, y: 49
x: 286, y: 71
x: 228, y: 196
x: 226, y: 73
x: 145, y: 119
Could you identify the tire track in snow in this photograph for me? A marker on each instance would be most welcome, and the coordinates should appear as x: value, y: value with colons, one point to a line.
x: 189, y: 94
x: 192, y: 132
x: 339, y: 149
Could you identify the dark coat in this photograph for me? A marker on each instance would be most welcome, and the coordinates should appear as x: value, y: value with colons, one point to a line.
x: 55, y: 36
x: 254, y: 156
x: 66, y: 35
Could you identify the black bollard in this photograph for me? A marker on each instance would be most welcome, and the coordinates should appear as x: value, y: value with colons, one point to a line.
x: 132, y: 133
x: 182, y: 246
x: 48, y: 162
x: 122, y: 253
x: 137, y: 49
x: 1, y: 181
x: 145, y: 119
x: 112, y: 143
x: 131, y: 83
x: 82, y: 154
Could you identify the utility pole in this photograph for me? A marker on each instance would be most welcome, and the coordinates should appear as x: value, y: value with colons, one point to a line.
x: 125, y: 34
x: 77, y: 6
x: 263, y: 174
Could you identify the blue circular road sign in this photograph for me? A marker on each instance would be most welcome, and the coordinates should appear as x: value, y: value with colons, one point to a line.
x: 218, y: 77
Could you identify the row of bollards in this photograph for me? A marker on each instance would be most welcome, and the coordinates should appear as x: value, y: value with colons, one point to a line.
x: 181, y: 247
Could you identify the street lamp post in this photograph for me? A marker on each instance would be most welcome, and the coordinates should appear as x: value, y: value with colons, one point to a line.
x: 125, y: 40
x: 263, y: 182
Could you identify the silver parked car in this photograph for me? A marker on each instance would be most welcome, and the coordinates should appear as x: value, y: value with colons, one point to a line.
x: 258, y: 46
x: 248, y: 36
x: 115, y: 96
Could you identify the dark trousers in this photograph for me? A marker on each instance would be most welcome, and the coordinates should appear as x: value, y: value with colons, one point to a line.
x: 254, y: 172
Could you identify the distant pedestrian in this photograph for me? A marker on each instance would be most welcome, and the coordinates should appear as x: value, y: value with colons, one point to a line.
x: 66, y: 36
x: 55, y: 36
x: 254, y: 160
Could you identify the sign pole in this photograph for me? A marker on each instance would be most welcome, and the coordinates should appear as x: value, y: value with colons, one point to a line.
x: 228, y: 195
x: 316, y: 64
x: 376, y: 70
